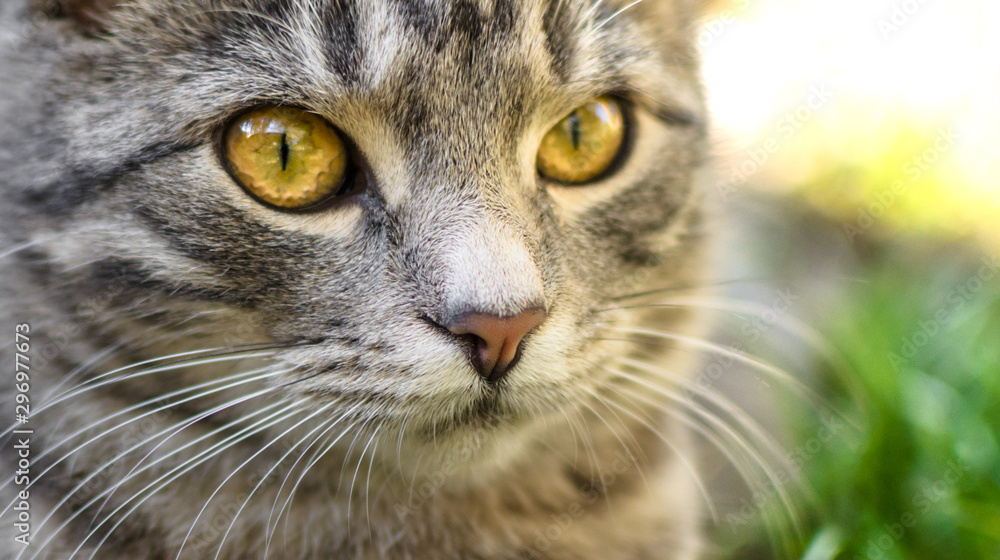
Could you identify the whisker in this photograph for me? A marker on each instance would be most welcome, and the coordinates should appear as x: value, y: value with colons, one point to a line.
x: 176, y: 473
x: 368, y: 481
x: 794, y: 326
x: 247, y: 461
x: 690, y: 468
x: 49, y: 392
x: 251, y: 377
x: 350, y: 492
x: 702, y: 412
x: 83, y: 368
x: 190, y: 421
x: 591, y: 12
x: 244, y: 433
x: 618, y: 437
x: 740, y: 417
x: 172, y: 362
x: 399, y: 445
x: 595, y: 464
x: 729, y: 433
x: 679, y: 288
x: 79, y: 390
x: 794, y: 384
x: 745, y: 469
x: 187, y: 422
x: 576, y: 437
x: 320, y: 451
x: 18, y: 248
x: 340, y: 480
x: 180, y: 363
x: 614, y: 15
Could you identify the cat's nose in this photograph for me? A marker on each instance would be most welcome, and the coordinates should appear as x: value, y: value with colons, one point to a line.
x: 497, y: 339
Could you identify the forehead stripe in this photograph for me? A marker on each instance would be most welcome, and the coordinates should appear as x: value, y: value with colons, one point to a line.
x: 557, y: 25
x: 81, y: 185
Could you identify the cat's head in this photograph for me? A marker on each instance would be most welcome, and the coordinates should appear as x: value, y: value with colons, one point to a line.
x: 476, y: 181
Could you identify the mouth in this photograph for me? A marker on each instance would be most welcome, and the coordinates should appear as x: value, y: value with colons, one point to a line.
x: 486, y: 413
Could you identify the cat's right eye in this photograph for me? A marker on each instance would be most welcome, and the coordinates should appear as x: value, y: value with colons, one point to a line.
x: 286, y: 157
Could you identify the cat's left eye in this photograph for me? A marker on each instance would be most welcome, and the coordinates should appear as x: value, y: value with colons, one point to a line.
x: 585, y: 144
x: 286, y: 157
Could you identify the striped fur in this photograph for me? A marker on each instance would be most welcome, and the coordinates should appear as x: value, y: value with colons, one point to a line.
x: 134, y: 244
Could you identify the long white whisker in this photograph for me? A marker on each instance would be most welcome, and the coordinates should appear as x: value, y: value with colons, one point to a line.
x: 576, y: 438
x: 702, y: 489
x: 741, y: 357
x: 192, y: 461
x: 88, y: 387
x: 399, y: 445
x: 729, y: 433
x: 743, y: 467
x: 368, y: 480
x: 803, y: 331
x: 595, y: 463
x: 740, y: 416
x: 83, y: 367
x: 190, y: 421
x: 614, y: 15
x: 276, y: 438
x: 350, y: 491
x: 179, y: 364
x: 253, y: 377
x: 187, y: 422
x: 17, y: 248
x: 320, y: 451
x: 180, y: 470
x: 614, y: 432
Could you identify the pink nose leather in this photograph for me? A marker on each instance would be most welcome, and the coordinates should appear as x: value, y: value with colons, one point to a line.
x: 497, y: 339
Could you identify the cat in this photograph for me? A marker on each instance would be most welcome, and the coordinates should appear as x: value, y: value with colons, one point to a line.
x: 350, y: 279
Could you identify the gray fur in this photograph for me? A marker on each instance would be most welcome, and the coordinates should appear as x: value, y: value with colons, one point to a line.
x: 132, y: 234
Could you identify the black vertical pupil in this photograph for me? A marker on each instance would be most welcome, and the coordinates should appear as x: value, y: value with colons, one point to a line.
x: 284, y: 151
x: 574, y: 129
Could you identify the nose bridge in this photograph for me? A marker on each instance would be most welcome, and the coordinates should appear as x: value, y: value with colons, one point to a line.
x: 487, y: 267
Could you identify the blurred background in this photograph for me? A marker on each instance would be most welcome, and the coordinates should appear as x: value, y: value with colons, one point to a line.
x: 847, y: 98
x: 858, y: 144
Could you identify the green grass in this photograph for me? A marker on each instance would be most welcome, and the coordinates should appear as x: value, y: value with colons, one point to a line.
x: 920, y: 476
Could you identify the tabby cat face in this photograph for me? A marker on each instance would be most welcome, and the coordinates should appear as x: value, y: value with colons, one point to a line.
x: 442, y: 108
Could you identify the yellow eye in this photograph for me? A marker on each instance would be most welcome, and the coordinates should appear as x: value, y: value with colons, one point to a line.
x: 285, y: 156
x: 583, y: 145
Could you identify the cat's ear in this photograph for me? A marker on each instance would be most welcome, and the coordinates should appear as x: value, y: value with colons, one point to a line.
x: 90, y: 16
